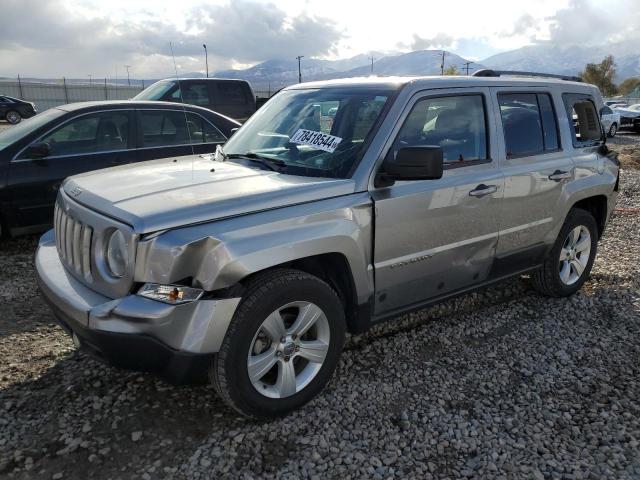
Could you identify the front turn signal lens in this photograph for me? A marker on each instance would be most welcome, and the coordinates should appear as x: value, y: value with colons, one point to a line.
x: 173, y: 294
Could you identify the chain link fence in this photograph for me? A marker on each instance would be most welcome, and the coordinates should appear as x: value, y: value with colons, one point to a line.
x: 51, y: 94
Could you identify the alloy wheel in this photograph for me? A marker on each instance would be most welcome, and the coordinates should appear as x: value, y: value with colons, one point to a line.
x: 574, y: 255
x: 13, y: 117
x: 289, y: 349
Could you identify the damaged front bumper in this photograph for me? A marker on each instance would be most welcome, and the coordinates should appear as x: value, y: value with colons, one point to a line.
x: 134, y: 332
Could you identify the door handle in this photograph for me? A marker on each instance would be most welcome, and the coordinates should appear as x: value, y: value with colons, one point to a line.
x: 482, y: 190
x: 559, y: 175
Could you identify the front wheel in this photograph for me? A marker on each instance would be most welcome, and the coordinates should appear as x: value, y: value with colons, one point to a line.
x: 282, y: 345
x: 569, y: 262
x: 12, y: 117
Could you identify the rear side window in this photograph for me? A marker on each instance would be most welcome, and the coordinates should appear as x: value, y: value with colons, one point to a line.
x: 606, y: 111
x: 529, y: 124
x: 162, y: 128
x: 231, y: 93
x: 584, y: 120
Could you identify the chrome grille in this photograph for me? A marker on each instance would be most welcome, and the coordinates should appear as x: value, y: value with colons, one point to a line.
x: 73, y: 241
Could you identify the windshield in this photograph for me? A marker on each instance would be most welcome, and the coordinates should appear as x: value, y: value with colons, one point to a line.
x: 25, y: 127
x: 316, y: 132
x: 635, y: 107
x: 155, y: 91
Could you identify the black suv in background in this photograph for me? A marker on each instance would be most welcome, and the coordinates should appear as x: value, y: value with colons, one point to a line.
x: 14, y: 110
x: 233, y: 98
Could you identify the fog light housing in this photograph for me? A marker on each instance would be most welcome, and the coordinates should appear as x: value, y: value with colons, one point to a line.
x: 172, y: 294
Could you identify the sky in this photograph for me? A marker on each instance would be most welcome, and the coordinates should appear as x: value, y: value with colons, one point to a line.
x: 78, y: 38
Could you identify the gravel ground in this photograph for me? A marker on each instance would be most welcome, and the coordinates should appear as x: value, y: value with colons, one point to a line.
x: 501, y: 383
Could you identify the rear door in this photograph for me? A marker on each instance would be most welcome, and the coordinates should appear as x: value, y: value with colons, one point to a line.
x: 435, y: 237
x: 537, y: 167
x: 172, y: 133
x: 83, y: 143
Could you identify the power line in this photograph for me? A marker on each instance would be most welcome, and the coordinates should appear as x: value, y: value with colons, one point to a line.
x: 299, y: 57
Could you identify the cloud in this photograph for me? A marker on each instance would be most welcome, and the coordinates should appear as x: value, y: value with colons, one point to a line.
x: 441, y: 40
x: 59, y: 41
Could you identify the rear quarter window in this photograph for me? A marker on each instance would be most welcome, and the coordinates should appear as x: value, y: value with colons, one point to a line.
x: 583, y: 118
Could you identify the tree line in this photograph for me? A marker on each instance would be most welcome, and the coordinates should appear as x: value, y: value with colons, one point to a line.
x: 602, y: 74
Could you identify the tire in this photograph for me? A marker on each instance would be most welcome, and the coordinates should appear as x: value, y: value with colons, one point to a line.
x: 13, y: 117
x: 277, y: 302
x: 553, y: 279
x: 613, y: 129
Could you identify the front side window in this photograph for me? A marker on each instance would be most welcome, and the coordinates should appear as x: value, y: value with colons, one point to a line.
x: 312, y: 132
x: 454, y: 123
x: 192, y: 93
x: 584, y: 120
x: 529, y: 124
x: 161, y: 128
x: 92, y: 133
x: 28, y: 126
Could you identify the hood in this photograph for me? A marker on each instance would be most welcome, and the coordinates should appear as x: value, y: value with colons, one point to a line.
x: 167, y: 193
x: 627, y: 113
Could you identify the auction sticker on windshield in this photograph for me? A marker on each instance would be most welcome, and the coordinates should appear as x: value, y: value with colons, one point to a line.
x: 322, y: 141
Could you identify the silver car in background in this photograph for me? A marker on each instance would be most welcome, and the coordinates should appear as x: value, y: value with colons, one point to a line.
x: 338, y: 205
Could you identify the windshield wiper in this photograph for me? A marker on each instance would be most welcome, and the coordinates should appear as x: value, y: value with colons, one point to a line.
x: 271, y: 163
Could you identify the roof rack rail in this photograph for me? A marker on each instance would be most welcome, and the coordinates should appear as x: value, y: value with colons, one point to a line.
x: 499, y: 73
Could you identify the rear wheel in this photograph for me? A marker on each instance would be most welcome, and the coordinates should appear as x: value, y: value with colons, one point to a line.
x: 282, y: 345
x: 13, y: 117
x: 569, y: 262
x: 613, y: 129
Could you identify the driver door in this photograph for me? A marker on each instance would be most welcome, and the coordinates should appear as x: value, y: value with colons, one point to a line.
x: 436, y: 237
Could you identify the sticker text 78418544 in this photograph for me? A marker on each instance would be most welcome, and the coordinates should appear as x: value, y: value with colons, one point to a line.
x: 322, y: 141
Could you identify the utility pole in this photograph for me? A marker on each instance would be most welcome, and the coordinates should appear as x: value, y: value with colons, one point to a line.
x: 128, y: 80
x: 299, y: 57
x: 90, y: 79
x: 442, y: 63
x: 465, y: 66
x: 372, y: 59
x: 206, y: 58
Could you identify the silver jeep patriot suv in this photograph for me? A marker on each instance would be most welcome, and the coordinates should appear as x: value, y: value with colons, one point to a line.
x: 339, y: 204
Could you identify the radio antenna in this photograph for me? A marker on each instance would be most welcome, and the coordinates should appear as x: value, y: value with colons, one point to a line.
x: 184, y: 110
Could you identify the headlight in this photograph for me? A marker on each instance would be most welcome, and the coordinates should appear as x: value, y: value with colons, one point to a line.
x: 117, y: 254
x: 174, y: 294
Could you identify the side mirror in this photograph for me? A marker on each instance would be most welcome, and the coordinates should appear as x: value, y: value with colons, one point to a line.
x: 412, y: 163
x: 37, y: 151
x: 233, y: 131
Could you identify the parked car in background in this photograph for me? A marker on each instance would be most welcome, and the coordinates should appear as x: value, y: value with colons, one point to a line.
x: 417, y: 190
x: 629, y: 116
x: 610, y: 120
x: 233, y: 98
x: 13, y: 110
x: 37, y: 155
